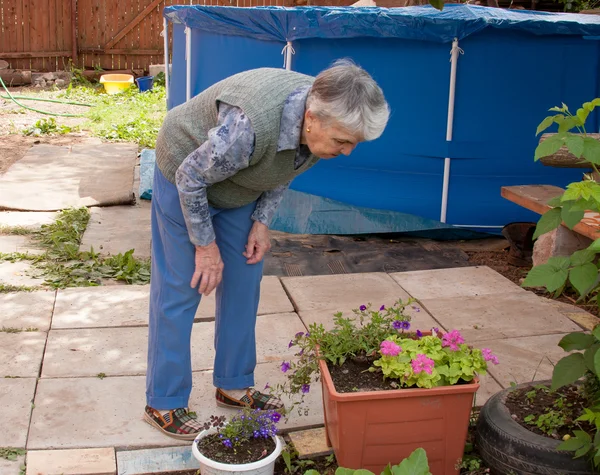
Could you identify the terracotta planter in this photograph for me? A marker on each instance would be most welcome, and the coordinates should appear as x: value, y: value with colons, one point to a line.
x: 371, y: 429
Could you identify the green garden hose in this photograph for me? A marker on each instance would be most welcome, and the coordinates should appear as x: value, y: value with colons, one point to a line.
x: 14, y: 99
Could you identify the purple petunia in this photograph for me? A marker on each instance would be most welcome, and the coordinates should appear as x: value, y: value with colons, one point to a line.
x: 419, y: 334
x: 305, y: 388
x: 275, y: 416
x: 299, y: 334
x: 267, y: 386
x: 285, y: 366
x: 291, y: 343
x: 397, y: 324
x: 382, y: 308
x: 363, y: 308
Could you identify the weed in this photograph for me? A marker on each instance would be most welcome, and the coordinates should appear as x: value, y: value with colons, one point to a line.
x: 15, y: 230
x: 10, y: 330
x: 46, y: 127
x: 31, y: 329
x: 18, y: 256
x: 292, y: 463
x: 62, y: 238
x: 12, y: 377
x: 11, y: 453
x: 101, y: 375
x: 548, y: 422
x: 6, y: 288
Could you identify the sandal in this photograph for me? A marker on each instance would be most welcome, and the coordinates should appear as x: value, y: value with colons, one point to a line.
x: 253, y: 399
x: 177, y: 423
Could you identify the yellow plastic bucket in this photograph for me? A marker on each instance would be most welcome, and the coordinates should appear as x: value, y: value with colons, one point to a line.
x: 116, y: 83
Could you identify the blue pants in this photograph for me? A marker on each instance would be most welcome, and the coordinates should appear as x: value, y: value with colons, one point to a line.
x: 173, y: 303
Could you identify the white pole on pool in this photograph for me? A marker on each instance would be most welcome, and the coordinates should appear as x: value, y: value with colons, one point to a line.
x: 188, y: 63
x: 454, y: 52
x: 166, y: 41
x: 288, y: 50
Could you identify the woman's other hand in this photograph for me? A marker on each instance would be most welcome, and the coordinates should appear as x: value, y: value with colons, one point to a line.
x: 209, y: 268
x: 259, y: 243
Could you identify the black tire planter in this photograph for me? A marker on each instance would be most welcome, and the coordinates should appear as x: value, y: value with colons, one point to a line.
x: 509, y: 449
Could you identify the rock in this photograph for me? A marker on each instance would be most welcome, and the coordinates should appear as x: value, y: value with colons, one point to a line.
x: 559, y: 242
x: 60, y: 83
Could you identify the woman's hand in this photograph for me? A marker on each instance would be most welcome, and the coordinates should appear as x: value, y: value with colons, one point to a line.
x: 209, y: 268
x: 259, y: 243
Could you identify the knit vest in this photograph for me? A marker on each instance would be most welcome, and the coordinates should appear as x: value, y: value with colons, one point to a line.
x: 261, y: 94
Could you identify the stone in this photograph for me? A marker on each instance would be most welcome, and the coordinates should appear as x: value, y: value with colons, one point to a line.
x: 72, y: 462
x: 18, y: 243
x: 19, y: 273
x: 489, y: 317
x: 310, y: 443
x: 455, y: 282
x: 60, y: 83
x: 117, y: 229
x: 26, y: 309
x: 89, y: 352
x: 103, y: 306
x: 154, y: 69
x: 525, y: 359
x: 159, y: 461
x: 16, y: 397
x: 21, y: 354
x: 342, y: 292
x: 26, y: 219
x: 559, y: 242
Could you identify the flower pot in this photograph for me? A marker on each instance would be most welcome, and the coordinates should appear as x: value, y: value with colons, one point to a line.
x: 265, y: 466
x: 371, y: 429
x: 507, y: 447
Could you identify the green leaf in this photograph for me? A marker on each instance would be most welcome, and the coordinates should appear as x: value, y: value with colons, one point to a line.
x: 415, y: 464
x: 568, y: 370
x: 596, y: 332
x: 597, y: 363
x: 312, y: 471
x: 544, y: 124
x: 583, y: 277
x: 595, y: 246
x: 549, y: 146
x: 571, y: 444
x: 591, y: 150
x: 584, y: 256
x: 556, y: 201
x: 550, y: 220
x: 575, y: 144
x: 437, y: 4
x: 576, y: 341
x: 582, y: 114
x: 567, y: 124
x: 571, y: 216
x: 343, y: 471
x: 589, y: 357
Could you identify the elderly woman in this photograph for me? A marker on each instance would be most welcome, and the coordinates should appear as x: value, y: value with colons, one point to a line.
x: 224, y: 160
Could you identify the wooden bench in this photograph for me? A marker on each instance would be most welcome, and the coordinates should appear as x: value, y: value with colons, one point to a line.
x: 536, y: 197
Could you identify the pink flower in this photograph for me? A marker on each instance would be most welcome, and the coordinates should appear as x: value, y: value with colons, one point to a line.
x: 453, y: 339
x: 422, y: 363
x: 389, y: 348
x: 488, y: 356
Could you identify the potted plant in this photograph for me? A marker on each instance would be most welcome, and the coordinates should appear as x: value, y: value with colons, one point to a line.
x: 548, y: 426
x: 386, y: 390
x: 247, y: 443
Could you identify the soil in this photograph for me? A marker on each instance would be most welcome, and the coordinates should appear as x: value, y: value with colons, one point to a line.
x: 253, y: 450
x: 538, y: 401
x: 354, y: 375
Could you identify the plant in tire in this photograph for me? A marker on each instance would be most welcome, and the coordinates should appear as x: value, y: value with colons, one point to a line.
x: 578, y: 271
x: 584, y: 363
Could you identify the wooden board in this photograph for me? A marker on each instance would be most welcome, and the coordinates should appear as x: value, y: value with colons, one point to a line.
x: 536, y: 197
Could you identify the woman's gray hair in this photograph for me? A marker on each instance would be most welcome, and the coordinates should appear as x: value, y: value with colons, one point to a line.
x: 345, y: 93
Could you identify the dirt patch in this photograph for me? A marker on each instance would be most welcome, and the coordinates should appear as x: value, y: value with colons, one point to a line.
x: 14, y: 147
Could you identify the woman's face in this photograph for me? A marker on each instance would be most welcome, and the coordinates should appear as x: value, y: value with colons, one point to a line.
x: 326, y: 139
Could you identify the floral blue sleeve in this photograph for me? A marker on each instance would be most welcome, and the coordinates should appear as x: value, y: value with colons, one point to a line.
x: 267, y: 204
x: 227, y: 151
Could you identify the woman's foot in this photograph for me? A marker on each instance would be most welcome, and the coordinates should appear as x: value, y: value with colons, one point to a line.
x: 176, y: 423
x: 248, y: 397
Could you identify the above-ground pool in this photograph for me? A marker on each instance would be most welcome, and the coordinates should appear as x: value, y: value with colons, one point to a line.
x: 450, y: 144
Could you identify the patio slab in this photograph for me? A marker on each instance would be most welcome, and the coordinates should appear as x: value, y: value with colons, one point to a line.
x: 455, y: 282
x: 488, y: 386
x: 342, y: 292
x: 117, y: 229
x: 161, y: 460
x: 18, y: 243
x: 123, y: 351
x: 22, y: 219
x: 8, y: 467
x: 72, y: 462
x: 21, y: 354
x: 18, y: 273
x: 27, y: 309
x: 123, y: 306
x: 525, y: 359
x: 16, y: 397
x: 490, y: 317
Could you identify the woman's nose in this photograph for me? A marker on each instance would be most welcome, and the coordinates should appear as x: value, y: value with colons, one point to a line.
x: 347, y: 149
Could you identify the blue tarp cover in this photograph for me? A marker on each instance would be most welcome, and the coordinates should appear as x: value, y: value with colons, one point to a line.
x: 417, y: 23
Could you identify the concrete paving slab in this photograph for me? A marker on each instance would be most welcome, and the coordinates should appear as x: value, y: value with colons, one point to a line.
x: 117, y: 229
x: 524, y: 359
x: 20, y: 273
x: 420, y: 320
x: 27, y: 309
x: 585, y: 320
x: 488, y: 386
x: 21, y: 354
x: 72, y: 462
x: 456, y: 282
x: 102, y: 413
x: 19, y: 243
x: 310, y: 443
x: 8, y: 467
x: 161, y: 461
x: 104, y: 306
x: 339, y: 292
x: 273, y: 298
x: 489, y: 317
x: 16, y: 397
x: 22, y: 219
x: 89, y: 352
x: 273, y: 334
